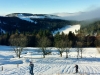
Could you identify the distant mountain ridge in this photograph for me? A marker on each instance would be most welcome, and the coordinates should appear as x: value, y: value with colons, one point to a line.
x: 32, y: 15
x: 27, y: 22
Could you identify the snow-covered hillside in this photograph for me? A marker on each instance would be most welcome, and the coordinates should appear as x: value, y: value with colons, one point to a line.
x: 68, y: 28
x: 51, y: 65
x: 29, y: 17
x: 21, y: 16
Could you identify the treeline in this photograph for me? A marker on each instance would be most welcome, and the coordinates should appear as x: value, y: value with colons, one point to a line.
x: 46, y: 39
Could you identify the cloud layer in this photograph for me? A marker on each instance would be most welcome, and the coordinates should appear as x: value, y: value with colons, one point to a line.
x: 91, y: 14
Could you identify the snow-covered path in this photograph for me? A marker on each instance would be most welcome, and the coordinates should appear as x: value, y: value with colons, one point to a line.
x: 55, y: 66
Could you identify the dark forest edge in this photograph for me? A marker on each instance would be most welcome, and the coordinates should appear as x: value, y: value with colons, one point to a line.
x: 34, y: 40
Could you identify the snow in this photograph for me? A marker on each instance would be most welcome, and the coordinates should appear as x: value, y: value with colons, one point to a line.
x: 3, y: 31
x: 51, y: 65
x: 21, y: 16
x: 38, y: 17
x: 28, y: 18
x: 68, y: 28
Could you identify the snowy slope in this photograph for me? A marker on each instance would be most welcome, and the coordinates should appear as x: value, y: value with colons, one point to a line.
x: 28, y: 16
x: 51, y: 65
x: 25, y: 18
x: 68, y: 28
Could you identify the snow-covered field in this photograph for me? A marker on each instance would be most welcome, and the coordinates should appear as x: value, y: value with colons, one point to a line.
x: 51, y: 65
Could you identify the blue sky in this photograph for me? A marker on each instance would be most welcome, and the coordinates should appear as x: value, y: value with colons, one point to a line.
x: 47, y: 6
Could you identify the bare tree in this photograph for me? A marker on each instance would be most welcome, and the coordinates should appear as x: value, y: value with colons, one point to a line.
x: 61, y: 46
x: 79, y: 49
x: 80, y: 43
x: 19, y: 42
x: 43, y: 43
x: 97, y: 43
x: 98, y: 49
x: 68, y: 43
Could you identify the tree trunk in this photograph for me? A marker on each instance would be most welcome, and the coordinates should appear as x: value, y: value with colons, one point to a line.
x: 66, y: 55
x: 19, y: 55
x: 81, y: 54
x: 61, y: 54
x: 43, y: 53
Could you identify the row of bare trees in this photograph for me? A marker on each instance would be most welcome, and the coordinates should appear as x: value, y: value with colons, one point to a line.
x: 19, y: 41
x: 61, y: 45
x: 62, y: 42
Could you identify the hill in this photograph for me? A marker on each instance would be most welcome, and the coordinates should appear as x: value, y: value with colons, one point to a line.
x: 26, y: 22
x: 92, y: 28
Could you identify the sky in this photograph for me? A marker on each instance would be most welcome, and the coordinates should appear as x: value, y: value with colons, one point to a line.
x: 47, y: 6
